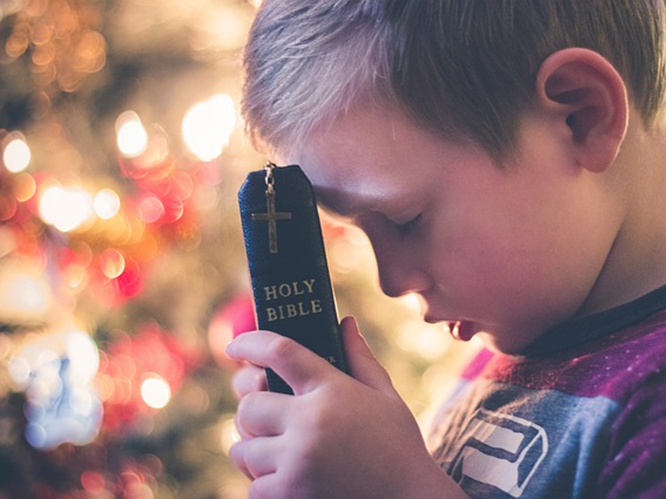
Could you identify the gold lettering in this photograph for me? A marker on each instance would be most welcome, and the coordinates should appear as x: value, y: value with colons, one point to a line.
x: 300, y: 309
x: 295, y: 309
x: 297, y: 289
x: 291, y: 311
x: 285, y: 290
x: 271, y: 292
x: 309, y: 284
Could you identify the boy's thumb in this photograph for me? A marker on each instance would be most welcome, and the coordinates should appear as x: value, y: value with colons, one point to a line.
x: 363, y: 365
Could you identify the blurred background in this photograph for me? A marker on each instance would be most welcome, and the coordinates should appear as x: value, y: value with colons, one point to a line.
x: 122, y: 269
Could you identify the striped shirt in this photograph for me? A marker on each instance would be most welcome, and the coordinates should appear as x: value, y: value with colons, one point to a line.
x: 582, y: 414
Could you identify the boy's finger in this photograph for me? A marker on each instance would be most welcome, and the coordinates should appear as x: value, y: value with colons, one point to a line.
x: 302, y: 369
x: 249, y: 379
x: 237, y: 456
x: 266, y: 486
x: 262, y: 414
x: 263, y: 455
x: 363, y: 364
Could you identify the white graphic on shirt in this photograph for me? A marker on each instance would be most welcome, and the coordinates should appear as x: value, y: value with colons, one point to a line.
x: 500, y: 450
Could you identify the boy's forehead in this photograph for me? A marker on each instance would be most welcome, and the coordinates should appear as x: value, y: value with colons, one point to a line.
x: 344, y: 187
x: 366, y: 157
x: 362, y: 146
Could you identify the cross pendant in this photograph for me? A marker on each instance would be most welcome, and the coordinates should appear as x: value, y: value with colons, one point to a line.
x: 271, y: 216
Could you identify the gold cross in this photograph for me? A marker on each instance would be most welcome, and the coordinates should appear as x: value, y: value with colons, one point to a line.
x: 271, y: 216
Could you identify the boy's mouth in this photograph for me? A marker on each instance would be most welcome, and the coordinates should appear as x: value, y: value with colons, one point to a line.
x: 461, y: 330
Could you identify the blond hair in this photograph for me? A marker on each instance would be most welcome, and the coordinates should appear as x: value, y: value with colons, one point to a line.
x: 457, y: 67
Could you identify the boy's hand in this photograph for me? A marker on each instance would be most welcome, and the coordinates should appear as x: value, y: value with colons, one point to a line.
x: 337, y: 436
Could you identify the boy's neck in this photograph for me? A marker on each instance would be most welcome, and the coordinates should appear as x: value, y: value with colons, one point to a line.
x: 636, y: 263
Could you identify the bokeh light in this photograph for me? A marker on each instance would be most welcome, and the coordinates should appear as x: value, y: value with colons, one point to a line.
x: 66, y: 208
x: 150, y: 209
x: 16, y: 155
x: 155, y: 391
x: 208, y: 125
x: 228, y: 433
x: 112, y: 263
x: 427, y: 341
x: 84, y: 356
x: 132, y: 138
x: 56, y: 372
x: 24, y: 186
x: 106, y: 204
x: 24, y: 291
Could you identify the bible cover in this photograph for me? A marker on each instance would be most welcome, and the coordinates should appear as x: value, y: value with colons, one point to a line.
x: 285, y: 251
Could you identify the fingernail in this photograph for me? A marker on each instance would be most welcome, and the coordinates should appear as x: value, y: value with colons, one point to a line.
x: 230, y: 348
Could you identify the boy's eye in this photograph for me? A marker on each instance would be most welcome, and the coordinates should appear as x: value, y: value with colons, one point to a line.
x: 408, y: 227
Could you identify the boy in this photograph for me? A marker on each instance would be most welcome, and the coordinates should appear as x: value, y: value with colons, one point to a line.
x: 506, y: 160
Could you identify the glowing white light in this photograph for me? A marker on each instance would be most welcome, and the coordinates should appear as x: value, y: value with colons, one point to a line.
x: 155, y: 391
x: 65, y: 208
x: 208, y: 125
x: 56, y: 372
x: 229, y: 434
x: 29, y: 295
x: 83, y: 356
x: 16, y: 155
x: 413, y: 303
x: 36, y: 435
x: 106, y: 204
x: 131, y: 137
x: 19, y: 370
x: 427, y: 341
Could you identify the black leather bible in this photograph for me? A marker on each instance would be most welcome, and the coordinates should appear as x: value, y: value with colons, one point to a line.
x: 291, y: 284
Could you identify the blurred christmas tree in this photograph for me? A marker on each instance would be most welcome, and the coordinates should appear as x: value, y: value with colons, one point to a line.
x: 122, y: 272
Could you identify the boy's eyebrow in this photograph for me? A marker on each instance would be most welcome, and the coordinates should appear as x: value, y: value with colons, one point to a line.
x: 332, y: 203
x: 337, y: 203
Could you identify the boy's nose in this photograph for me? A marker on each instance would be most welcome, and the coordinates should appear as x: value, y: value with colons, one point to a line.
x: 400, y: 271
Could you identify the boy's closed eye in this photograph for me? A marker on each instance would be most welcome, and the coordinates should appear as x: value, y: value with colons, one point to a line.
x: 408, y: 227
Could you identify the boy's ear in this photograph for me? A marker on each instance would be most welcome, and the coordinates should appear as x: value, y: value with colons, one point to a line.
x: 590, y: 98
